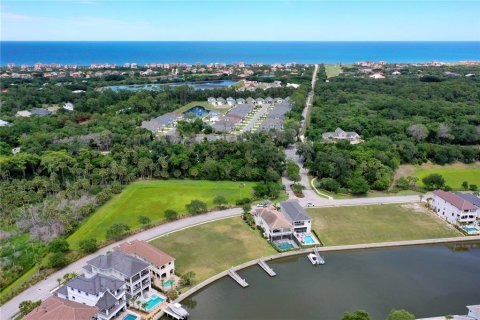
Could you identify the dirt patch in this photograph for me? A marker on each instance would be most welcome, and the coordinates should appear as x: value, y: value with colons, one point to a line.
x: 415, y: 207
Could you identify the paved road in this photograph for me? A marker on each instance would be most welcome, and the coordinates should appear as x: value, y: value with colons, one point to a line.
x: 308, y: 104
x: 255, y: 118
x: 42, y: 289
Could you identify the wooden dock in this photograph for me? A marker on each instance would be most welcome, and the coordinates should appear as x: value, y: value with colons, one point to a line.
x: 237, y: 278
x: 266, y: 267
x: 319, y: 257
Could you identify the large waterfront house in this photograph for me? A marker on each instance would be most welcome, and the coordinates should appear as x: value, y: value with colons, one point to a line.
x: 105, y: 293
x: 296, y: 215
x: 54, y: 308
x: 339, y: 134
x: 162, y: 265
x: 135, y: 272
x: 290, y: 224
x: 457, y: 208
x: 275, y: 226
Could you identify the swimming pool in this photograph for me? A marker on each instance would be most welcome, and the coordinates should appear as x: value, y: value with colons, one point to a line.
x: 130, y: 317
x: 168, y: 283
x: 284, y: 246
x: 308, y: 239
x: 154, y: 301
x: 471, y: 229
x: 197, y: 112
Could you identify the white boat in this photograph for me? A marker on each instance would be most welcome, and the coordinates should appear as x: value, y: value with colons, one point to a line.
x: 313, y: 258
x: 179, y: 310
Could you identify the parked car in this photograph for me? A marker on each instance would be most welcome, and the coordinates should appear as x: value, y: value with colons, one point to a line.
x: 309, y: 205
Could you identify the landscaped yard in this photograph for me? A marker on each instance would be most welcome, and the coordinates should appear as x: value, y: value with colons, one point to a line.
x: 378, y: 223
x: 211, y: 248
x: 454, y: 174
x: 151, y: 199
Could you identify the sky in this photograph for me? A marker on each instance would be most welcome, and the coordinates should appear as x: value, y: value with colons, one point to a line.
x: 159, y: 20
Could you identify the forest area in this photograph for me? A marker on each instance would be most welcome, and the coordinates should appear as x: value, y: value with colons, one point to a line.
x: 409, y: 119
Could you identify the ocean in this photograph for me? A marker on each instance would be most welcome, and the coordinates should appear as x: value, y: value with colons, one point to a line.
x: 86, y: 53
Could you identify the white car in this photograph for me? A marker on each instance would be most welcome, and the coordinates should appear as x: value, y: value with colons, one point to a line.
x: 309, y: 205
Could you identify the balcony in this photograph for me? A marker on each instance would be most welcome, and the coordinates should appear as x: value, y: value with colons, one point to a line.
x: 112, y: 312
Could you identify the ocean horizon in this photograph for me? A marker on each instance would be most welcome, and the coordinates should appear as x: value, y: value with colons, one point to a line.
x: 85, y: 53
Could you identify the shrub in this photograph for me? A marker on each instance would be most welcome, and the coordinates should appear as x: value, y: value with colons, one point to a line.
x: 220, y: 201
x: 329, y: 184
x: 27, y: 306
x: 359, y: 185
x: 473, y: 187
x: 434, y: 181
x: 187, y: 278
x: 59, y: 245
x: 172, y: 294
x: 117, y: 230
x: 197, y: 207
x: 242, y: 201
x: 88, y: 245
x: 171, y: 214
x: 267, y: 190
x: 144, y: 220
x: 57, y: 260
x: 400, y: 315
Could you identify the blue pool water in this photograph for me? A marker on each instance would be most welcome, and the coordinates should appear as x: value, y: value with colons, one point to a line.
x: 470, y: 229
x: 168, y: 283
x: 154, y: 301
x: 308, y: 239
x: 130, y: 317
x: 284, y: 246
x: 197, y: 111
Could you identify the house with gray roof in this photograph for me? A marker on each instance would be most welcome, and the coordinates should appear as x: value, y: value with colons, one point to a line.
x: 240, y: 101
x: 250, y: 100
x: 156, y: 124
x: 231, y: 101
x: 135, y: 272
x: 40, y: 112
x: 293, y: 212
x: 339, y: 134
x: 271, y: 124
x: 106, y: 293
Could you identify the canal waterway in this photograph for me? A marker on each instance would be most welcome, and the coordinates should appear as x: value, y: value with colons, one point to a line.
x: 426, y: 280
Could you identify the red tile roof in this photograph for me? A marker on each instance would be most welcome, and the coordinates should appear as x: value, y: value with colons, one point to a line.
x: 55, y: 308
x: 455, y: 200
x: 146, y: 251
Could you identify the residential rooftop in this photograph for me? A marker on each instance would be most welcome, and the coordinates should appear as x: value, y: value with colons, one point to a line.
x: 119, y: 261
x: 455, y: 200
x: 146, y: 251
x: 55, y: 308
x: 293, y: 211
x: 96, y: 284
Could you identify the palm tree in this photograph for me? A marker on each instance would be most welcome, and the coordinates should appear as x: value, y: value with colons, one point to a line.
x: 59, y: 280
x: 144, y: 306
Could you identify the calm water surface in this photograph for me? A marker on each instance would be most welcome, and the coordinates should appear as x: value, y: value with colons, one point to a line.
x: 198, y: 85
x: 88, y: 52
x: 427, y: 281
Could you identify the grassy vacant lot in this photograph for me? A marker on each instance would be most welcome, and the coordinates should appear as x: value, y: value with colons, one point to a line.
x: 151, y: 199
x: 378, y: 223
x: 454, y: 174
x: 210, y: 248
x: 333, y: 70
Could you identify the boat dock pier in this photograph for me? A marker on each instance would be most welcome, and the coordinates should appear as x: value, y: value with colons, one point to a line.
x: 319, y: 257
x: 266, y: 267
x: 237, y: 278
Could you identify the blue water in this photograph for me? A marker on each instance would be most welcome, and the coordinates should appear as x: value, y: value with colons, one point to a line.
x: 168, y: 283
x: 153, y: 302
x: 197, y: 111
x: 86, y: 53
x: 284, y: 246
x: 198, y: 85
x: 130, y: 317
x: 308, y: 240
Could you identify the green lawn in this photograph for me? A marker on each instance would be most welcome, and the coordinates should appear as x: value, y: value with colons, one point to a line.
x: 454, y: 174
x: 378, y: 223
x: 211, y: 248
x: 151, y: 199
x: 333, y: 70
